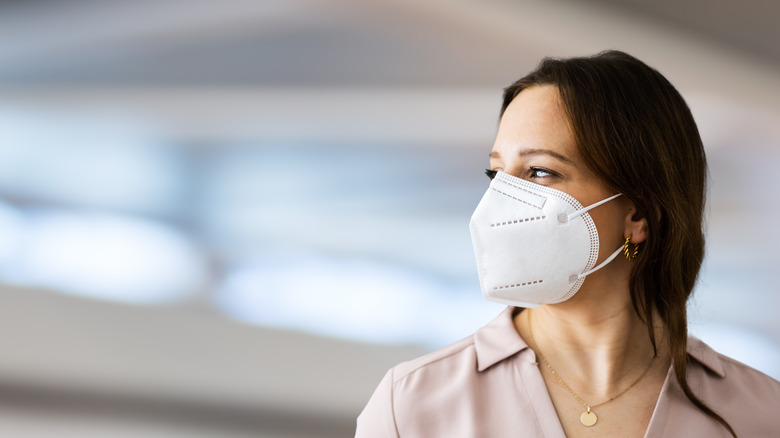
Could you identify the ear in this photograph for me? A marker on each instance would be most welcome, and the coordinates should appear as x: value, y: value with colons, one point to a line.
x: 635, y: 225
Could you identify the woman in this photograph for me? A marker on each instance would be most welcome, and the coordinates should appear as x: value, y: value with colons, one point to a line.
x: 594, y: 158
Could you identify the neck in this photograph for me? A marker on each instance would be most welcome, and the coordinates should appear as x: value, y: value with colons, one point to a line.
x: 596, y: 342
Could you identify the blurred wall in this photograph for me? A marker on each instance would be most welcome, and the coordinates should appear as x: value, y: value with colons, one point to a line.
x: 230, y: 218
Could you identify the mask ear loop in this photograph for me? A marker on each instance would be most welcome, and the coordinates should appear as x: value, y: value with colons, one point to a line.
x: 614, y: 254
x: 591, y: 206
x: 602, y: 264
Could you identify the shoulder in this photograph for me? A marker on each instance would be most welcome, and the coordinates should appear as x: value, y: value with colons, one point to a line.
x: 467, y: 358
x: 415, y: 392
x: 440, y: 393
x: 727, y: 371
x: 738, y: 372
x: 747, y: 398
x: 455, y: 355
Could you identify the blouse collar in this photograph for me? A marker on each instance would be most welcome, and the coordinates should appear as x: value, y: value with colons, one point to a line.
x: 499, y: 340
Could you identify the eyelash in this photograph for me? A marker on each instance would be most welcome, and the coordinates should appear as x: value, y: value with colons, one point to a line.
x: 492, y: 173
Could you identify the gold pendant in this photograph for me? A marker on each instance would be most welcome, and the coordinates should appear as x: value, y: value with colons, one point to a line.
x: 588, y: 418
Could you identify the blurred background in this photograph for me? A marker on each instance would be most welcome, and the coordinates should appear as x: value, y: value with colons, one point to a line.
x: 231, y: 218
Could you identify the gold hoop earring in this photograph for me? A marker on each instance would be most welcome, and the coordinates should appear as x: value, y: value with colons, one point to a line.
x: 629, y: 255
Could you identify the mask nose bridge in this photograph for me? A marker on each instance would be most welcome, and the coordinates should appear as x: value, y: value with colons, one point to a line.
x: 520, y: 190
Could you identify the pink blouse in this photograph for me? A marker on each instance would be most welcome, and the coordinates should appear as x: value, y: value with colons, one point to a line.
x: 490, y: 385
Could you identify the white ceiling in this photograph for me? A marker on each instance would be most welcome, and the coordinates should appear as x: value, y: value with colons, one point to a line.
x: 245, y: 68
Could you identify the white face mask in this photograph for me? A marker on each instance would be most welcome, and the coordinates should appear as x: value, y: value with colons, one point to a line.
x: 534, y: 245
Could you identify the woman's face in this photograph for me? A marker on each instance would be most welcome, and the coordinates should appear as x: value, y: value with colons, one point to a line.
x: 535, y: 142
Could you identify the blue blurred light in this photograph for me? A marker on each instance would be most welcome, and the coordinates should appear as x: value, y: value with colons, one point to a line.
x: 105, y: 256
x: 12, y: 230
x: 87, y: 160
x: 354, y: 299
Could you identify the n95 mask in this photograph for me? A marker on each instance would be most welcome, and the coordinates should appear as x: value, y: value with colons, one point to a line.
x: 533, y: 244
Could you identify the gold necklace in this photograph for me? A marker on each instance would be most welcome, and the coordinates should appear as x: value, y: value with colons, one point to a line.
x: 587, y: 418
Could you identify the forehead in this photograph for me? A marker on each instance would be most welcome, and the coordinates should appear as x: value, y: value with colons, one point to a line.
x: 536, y: 118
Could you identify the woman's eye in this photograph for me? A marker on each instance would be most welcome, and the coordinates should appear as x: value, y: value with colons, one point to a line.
x: 491, y: 173
x: 537, y: 172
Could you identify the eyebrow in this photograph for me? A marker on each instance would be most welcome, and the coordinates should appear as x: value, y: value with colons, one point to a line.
x: 530, y: 152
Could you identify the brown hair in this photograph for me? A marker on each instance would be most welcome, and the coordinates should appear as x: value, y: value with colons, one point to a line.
x: 635, y: 131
